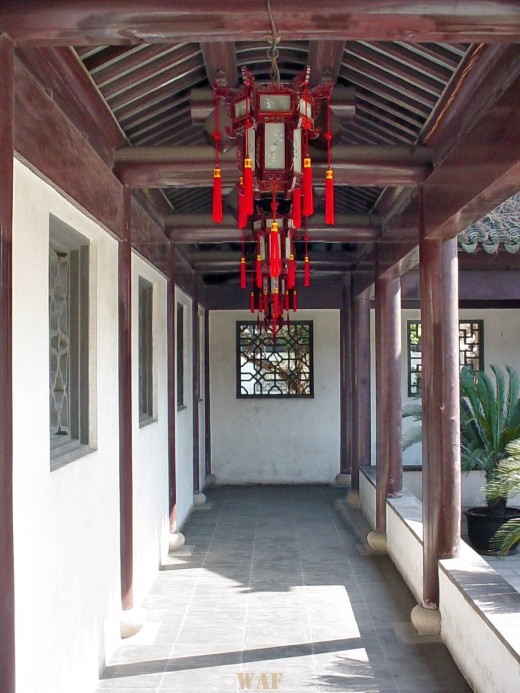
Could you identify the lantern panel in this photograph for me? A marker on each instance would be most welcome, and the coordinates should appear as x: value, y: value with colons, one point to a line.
x: 274, y: 146
x: 297, y: 150
x: 275, y: 103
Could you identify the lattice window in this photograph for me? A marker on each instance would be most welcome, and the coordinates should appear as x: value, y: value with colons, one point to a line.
x: 68, y: 343
x: 281, y: 367
x: 471, y: 350
x: 146, y: 412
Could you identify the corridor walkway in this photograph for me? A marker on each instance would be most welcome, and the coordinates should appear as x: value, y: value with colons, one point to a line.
x: 277, y: 590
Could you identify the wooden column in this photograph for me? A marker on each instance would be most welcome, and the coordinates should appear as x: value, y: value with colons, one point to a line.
x: 441, y: 416
x: 196, y: 393
x: 172, y: 389
x: 125, y: 405
x: 362, y: 415
x: 346, y: 382
x: 207, y: 395
x: 7, y: 621
x: 389, y: 470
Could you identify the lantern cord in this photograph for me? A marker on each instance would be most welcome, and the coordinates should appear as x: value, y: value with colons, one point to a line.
x: 272, y: 51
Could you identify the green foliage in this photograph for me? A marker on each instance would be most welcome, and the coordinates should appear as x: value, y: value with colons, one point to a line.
x: 489, y: 417
x: 506, y: 482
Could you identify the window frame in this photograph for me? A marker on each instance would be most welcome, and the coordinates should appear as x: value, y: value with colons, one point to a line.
x: 268, y: 395
x: 146, y: 390
x: 65, y: 240
x: 462, y: 321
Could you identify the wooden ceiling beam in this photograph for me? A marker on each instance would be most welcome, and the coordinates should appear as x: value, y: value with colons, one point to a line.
x: 197, y: 228
x: 325, y: 60
x: 113, y: 22
x: 220, y: 61
x: 192, y: 166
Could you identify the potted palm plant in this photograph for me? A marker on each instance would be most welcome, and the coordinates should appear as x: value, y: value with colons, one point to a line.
x: 507, y: 483
x: 489, y: 422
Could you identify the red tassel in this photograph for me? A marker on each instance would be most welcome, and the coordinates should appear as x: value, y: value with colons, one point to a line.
x: 287, y: 301
x: 217, y: 196
x: 294, y: 302
x: 276, y: 307
x: 291, y: 273
x: 297, y: 207
x: 273, y: 328
x: 259, y: 271
x: 243, y: 273
x: 308, y: 202
x: 242, y: 216
x: 275, y: 263
x: 252, y: 301
x: 265, y: 303
x: 306, y: 273
x: 329, y: 197
x: 248, y: 186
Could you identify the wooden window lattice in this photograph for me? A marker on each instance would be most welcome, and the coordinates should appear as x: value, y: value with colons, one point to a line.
x: 281, y: 367
x: 471, y: 351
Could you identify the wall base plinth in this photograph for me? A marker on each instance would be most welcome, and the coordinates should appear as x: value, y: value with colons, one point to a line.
x: 343, y: 479
x: 211, y: 480
x: 352, y: 500
x: 175, y: 541
x: 199, y: 499
x: 132, y: 620
x: 426, y: 621
x: 377, y: 541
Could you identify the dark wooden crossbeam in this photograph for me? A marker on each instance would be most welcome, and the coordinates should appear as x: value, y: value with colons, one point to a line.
x: 62, y: 22
x: 198, y: 228
x: 220, y: 62
x: 193, y: 166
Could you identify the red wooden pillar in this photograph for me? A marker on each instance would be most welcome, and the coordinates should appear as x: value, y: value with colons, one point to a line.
x: 362, y: 416
x: 389, y: 470
x: 196, y: 393
x: 441, y: 415
x: 7, y: 621
x: 125, y: 406
x: 345, y: 385
x: 172, y: 390
x: 207, y: 395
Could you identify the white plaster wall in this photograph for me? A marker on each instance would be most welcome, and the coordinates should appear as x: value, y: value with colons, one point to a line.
x: 66, y: 522
x: 184, y: 421
x: 367, y: 500
x: 269, y: 440
x: 470, y: 628
x: 472, y: 487
x: 501, y: 339
x: 150, y: 442
x: 404, y: 531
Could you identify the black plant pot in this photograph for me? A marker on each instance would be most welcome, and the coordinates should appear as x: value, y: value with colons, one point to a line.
x: 483, y: 525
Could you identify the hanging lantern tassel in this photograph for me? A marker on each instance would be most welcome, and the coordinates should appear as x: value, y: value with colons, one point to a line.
x: 252, y: 301
x: 329, y: 197
x: 275, y: 264
x: 242, y: 272
x: 248, y: 186
x: 276, y: 306
x: 308, y: 202
x: 297, y: 207
x: 306, y: 272
x: 259, y: 271
x: 294, y: 302
x: 217, y: 196
x: 291, y: 273
x: 287, y: 300
x: 242, y: 216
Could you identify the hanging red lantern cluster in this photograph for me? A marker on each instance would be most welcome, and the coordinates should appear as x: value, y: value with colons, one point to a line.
x: 273, y: 124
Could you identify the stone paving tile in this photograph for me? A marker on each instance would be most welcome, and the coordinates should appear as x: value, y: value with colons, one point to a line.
x: 274, y: 588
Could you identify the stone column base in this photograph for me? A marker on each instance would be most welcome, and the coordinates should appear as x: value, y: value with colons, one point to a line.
x: 377, y: 541
x: 426, y: 621
x: 343, y: 479
x: 132, y: 620
x: 211, y: 480
x: 199, y: 499
x: 353, y: 500
x: 175, y: 541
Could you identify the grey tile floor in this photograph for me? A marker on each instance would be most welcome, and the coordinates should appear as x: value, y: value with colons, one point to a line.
x: 277, y: 590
